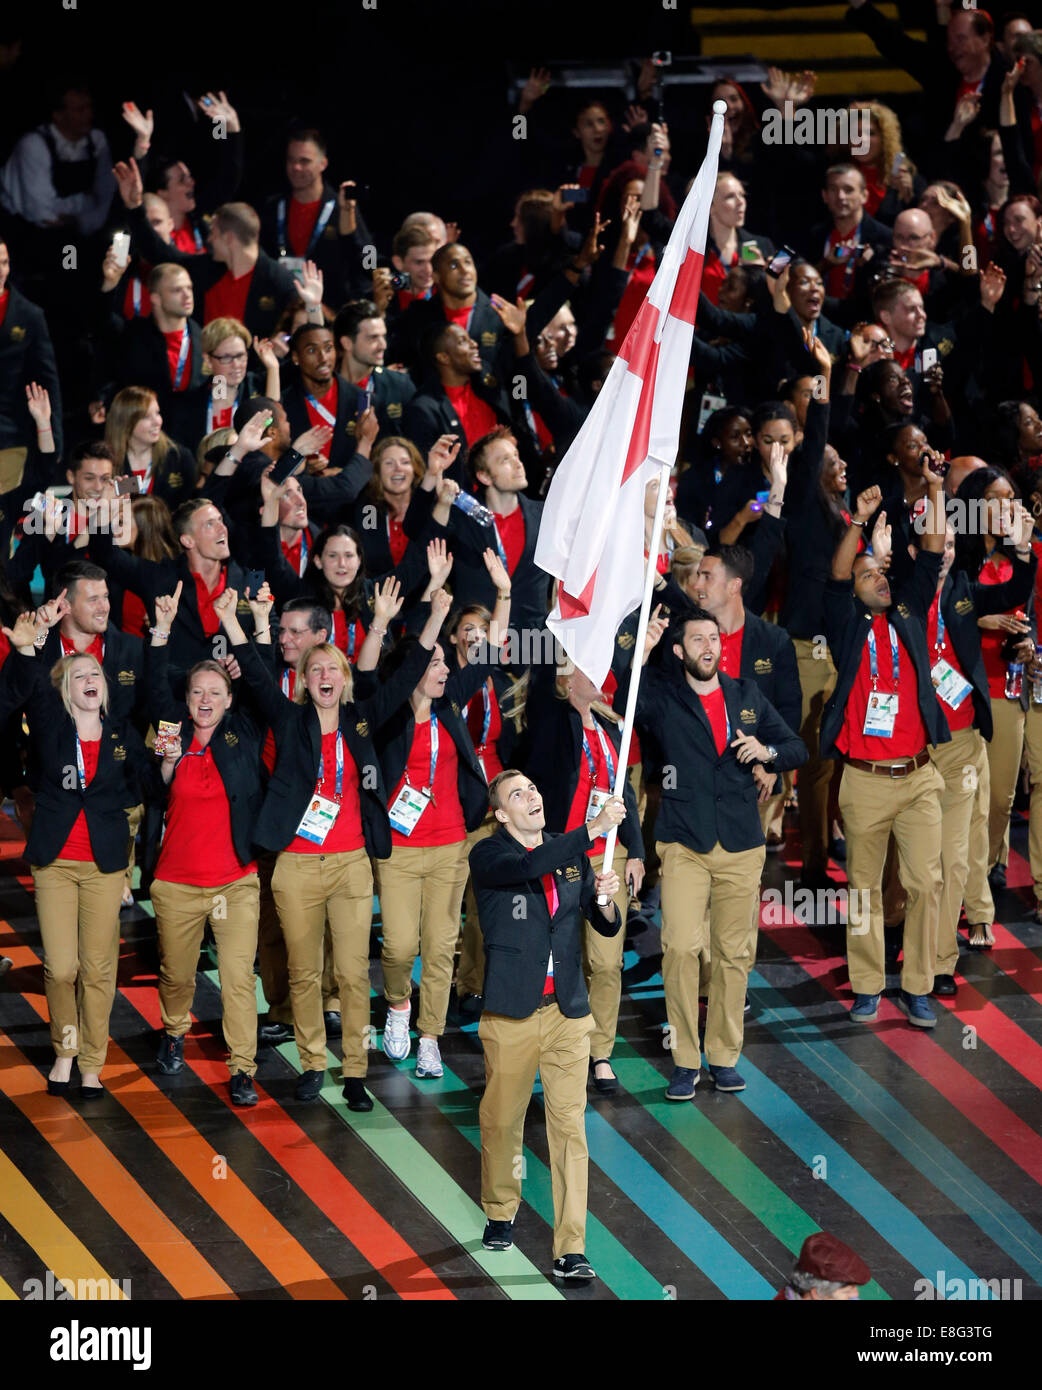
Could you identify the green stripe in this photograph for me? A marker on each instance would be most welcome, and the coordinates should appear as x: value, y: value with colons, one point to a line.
x: 736, y: 1173
x: 616, y: 1267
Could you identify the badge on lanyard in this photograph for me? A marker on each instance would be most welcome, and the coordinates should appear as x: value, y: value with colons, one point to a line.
x: 598, y: 796
x: 411, y: 802
x: 881, y: 714
x: 320, y: 816
x: 486, y: 722
x: 951, y: 687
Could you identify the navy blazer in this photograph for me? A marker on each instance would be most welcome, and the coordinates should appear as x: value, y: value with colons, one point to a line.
x: 517, y: 927
x: 348, y: 403
x: 709, y: 798
x: 298, y: 741
x: 114, y: 787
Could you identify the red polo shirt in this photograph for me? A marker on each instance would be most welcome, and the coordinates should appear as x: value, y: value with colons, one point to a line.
x: 210, y: 621
x: 227, y: 298
x: 601, y: 779
x: 474, y: 714
x: 476, y: 417
x: 329, y: 402
x: 512, y: 536
x: 442, y: 822
x: 77, y: 846
x: 300, y: 225
x: 731, y: 652
x: 995, y: 570
x: 909, y: 736
x: 346, y: 833
x: 716, y: 713
x: 197, y: 846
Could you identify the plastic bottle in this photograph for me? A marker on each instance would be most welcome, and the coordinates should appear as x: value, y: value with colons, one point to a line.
x: 468, y: 503
x: 1014, y: 680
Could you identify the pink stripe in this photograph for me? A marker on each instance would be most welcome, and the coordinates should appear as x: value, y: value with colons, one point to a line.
x: 684, y: 303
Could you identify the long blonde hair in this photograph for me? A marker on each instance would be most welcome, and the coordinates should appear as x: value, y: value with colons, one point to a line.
x: 61, y: 680
x: 127, y: 410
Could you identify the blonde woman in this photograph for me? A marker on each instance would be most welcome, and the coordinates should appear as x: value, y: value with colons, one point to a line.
x: 227, y: 381
x: 891, y: 179
x: 143, y: 451
x: 78, y: 847
x: 673, y: 533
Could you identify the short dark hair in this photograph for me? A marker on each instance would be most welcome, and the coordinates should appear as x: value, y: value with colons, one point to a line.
x: 90, y: 449
x: 70, y: 575
x: 432, y: 340
x: 183, y: 516
x: 251, y: 407
x: 689, y: 615
x: 476, y: 457
x: 495, y: 804
x: 767, y: 411
x: 444, y: 252
x: 355, y: 312
x: 303, y: 329
x: 319, y: 618
x: 844, y: 168
x: 307, y: 132
x: 738, y: 562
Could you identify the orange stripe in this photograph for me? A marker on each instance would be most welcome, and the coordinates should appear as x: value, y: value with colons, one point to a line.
x: 107, y: 1180
x: 190, y: 1153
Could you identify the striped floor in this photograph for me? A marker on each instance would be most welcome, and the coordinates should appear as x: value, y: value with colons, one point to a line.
x: 923, y: 1151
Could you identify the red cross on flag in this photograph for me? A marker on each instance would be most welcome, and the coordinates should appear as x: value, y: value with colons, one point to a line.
x: 591, y: 535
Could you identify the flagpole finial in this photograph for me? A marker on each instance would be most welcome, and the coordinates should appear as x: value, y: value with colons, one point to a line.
x: 719, y: 108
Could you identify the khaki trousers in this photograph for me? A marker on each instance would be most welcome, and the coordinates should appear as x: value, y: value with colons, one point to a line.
x: 182, y: 910
x: 1033, y: 746
x: 980, y: 905
x: 470, y: 973
x: 78, y: 910
x: 872, y: 807
x: 308, y: 889
x: 271, y: 954
x: 817, y: 682
x: 602, y: 964
x: 1004, y: 756
x: 708, y: 900
x: 135, y: 815
x: 420, y: 898
x: 515, y: 1049
x: 961, y: 763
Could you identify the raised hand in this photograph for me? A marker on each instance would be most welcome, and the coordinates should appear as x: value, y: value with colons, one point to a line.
x: 497, y: 571
x: 992, y: 285
x: 441, y: 602
x: 128, y: 180
x: 166, y: 608
x: 591, y: 248
x: 265, y: 350
x: 866, y: 503
x: 141, y: 125
x: 39, y: 404
x: 511, y: 315
x: 537, y: 86
x: 217, y: 106
x: 24, y: 632
x: 112, y: 271
x: 439, y: 562
x: 657, y: 626
x: 260, y: 605
x: 633, y: 115
x: 383, y: 290
x: 312, y: 441
x: 387, y: 600
x: 251, y: 436
x: 225, y: 604
x: 882, y: 544
x: 311, y: 286
x: 52, y: 612
x: 367, y: 428
x: 442, y: 454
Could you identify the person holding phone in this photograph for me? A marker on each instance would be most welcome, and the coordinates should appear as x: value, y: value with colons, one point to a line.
x: 79, y: 842
x: 209, y: 780
x: 155, y: 463
x: 326, y: 753
x: 575, y: 745
x: 728, y: 243
x: 322, y: 397
x: 437, y: 796
x: 853, y: 239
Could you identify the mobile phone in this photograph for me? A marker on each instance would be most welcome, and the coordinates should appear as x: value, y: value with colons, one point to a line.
x: 762, y: 497
x: 254, y: 583
x: 574, y: 195
x: 355, y: 190
x: 206, y: 101
x: 852, y: 253
x: 365, y: 402
x: 780, y: 260
x: 284, y: 468
x: 929, y: 358
x: 895, y: 167
x: 749, y: 251
x: 940, y: 469
x: 126, y: 486
x: 37, y: 502
x: 121, y: 247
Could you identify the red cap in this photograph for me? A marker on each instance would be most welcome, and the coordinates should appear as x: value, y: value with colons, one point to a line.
x: 824, y: 1256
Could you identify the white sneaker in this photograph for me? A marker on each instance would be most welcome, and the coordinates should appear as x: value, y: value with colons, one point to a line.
x: 396, y: 1033
x: 428, y: 1058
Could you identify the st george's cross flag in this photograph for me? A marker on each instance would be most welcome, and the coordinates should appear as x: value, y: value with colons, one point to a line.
x: 591, y: 535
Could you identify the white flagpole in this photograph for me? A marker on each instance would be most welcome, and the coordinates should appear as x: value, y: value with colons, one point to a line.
x: 650, y: 572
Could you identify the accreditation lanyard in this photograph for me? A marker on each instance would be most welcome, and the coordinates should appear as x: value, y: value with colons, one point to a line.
x: 286, y: 674
x: 320, y: 409
x: 182, y: 357
x: 428, y: 790
x: 135, y: 294
x: 320, y: 226
x: 486, y: 721
x: 81, y: 767
x: 606, y: 750
x: 338, y: 794
x: 939, y: 644
x: 304, y: 551
x: 895, y: 659
x: 144, y: 480
x: 499, y: 546
x: 197, y: 234
x: 210, y: 409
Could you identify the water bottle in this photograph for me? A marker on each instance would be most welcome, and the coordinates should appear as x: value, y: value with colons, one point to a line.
x: 467, y: 502
x: 1036, y: 684
x: 1014, y: 680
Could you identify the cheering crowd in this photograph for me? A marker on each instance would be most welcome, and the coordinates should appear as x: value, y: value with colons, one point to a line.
x: 274, y: 637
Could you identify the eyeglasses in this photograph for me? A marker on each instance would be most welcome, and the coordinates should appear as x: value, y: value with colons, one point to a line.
x: 229, y: 357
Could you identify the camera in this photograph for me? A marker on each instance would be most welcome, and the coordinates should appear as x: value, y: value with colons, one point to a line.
x: 401, y: 280
x: 662, y: 58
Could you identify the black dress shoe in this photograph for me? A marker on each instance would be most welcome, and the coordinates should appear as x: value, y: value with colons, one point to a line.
x: 357, y: 1097
x: 997, y: 877
x: 334, y: 1028
x: 274, y: 1032
x: 242, y: 1089
x: 170, y: 1059
x: 607, y: 1085
x: 944, y: 986
x: 471, y: 1005
x: 309, y: 1084
x: 91, y: 1092
x: 58, y: 1088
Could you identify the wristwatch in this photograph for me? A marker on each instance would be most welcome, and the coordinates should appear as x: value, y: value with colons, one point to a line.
x: 772, y: 752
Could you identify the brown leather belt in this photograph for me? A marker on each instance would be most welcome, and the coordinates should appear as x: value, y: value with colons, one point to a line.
x: 546, y: 1000
x: 891, y: 770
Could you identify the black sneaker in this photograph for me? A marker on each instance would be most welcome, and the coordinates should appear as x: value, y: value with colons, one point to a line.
x: 309, y: 1084
x: 242, y: 1089
x: 357, y: 1097
x: 574, y: 1267
x: 997, y: 878
x: 499, y: 1235
x: 170, y: 1059
x: 470, y: 1006
x: 273, y: 1032
x: 334, y: 1029
x: 944, y: 986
